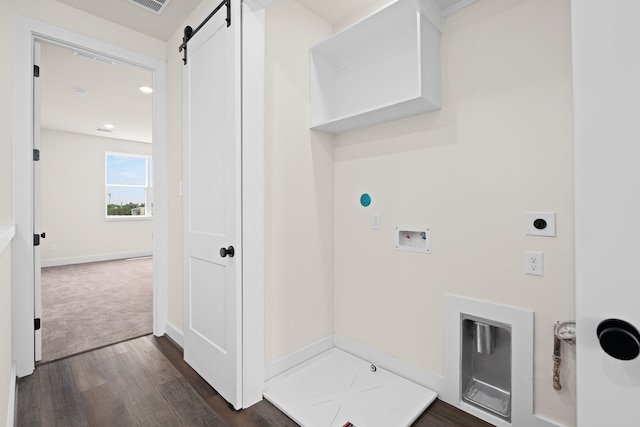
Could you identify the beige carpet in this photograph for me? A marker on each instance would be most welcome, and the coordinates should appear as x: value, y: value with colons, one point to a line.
x: 87, y: 306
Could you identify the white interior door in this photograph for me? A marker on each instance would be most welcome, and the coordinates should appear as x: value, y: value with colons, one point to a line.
x: 606, y: 66
x: 212, y: 205
x: 37, y: 204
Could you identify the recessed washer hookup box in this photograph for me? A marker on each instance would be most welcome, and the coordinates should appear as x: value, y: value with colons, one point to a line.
x: 413, y: 239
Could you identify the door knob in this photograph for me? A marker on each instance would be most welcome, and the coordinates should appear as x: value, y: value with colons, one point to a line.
x: 227, y: 251
x: 619, y: 339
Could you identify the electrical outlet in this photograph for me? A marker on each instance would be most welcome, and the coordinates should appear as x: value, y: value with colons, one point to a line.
x: 534, y: 263
x: 540, y: 224
x: 53, y: 247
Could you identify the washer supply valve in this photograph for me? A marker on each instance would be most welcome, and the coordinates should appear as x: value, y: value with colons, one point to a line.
x: 565, y: 331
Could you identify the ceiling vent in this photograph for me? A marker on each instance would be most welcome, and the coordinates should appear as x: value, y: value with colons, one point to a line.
x: 156, y: 6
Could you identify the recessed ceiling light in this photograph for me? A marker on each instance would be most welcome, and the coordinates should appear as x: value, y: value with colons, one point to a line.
x: 109, y: 126
x: 145, y: 89
x: 80, y: 92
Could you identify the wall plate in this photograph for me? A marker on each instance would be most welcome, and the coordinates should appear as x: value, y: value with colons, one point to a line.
x: 540, y: 224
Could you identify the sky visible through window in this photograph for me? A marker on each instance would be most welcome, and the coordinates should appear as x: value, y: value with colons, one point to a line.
x: 125, y: 170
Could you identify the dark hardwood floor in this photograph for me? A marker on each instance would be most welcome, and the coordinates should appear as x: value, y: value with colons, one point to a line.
x: 145, y: 382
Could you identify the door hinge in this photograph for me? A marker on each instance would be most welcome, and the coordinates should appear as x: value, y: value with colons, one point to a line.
x: 36, y: 155
x: 36, y: 71
x: 36, y: 324
x: 36, y: 238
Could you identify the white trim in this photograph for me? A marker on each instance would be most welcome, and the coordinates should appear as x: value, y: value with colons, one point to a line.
x: 11, y: 405
x: 173, y: 333
x: 253, y: 22
x: 389, y: 363
x: 94, y: 258
x: 296, y: 358
x: 25, y: 30
x: 521, y: 322
x: 7, y: 231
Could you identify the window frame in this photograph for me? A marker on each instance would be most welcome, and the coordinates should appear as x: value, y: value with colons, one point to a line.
x: 148, y: 187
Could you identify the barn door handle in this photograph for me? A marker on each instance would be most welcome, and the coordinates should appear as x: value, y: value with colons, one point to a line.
x: 227, y: 251
x: 619, y: 339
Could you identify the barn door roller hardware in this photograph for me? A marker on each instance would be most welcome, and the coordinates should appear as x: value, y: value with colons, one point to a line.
x: 190, y: 32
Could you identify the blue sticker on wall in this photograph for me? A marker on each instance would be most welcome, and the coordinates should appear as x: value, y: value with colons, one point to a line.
x: 365, y: 200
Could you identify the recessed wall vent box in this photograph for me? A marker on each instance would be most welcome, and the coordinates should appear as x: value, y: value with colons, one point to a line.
x: 413, y: 239
x: 383, y: 68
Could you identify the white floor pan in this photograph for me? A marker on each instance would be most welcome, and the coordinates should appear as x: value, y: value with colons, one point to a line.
x: 336, y: 388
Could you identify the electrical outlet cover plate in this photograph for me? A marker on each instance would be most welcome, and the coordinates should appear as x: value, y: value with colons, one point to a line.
x: 533, y: 219
x: 534, y: 263
x: 375, y: 221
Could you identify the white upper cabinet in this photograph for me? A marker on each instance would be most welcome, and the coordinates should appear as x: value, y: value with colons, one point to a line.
x: 383, y: 68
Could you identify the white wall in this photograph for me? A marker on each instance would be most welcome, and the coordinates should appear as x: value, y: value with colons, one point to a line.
x: 501, y: 145
x: 73, y: 200
x: 606, y: 61
x: 299, y: 186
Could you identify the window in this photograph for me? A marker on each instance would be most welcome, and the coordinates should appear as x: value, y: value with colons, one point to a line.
x: 129, y: 190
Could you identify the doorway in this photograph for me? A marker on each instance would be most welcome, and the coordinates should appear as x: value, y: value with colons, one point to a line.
x: 25, y: 32
x: 93, y: 195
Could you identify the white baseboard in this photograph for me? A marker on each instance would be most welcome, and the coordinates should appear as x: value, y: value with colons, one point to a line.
x: 294, y: 359
x: 174, y: 334
x: 401, y: 368
x: 93, y: 258
x: 12, y: 396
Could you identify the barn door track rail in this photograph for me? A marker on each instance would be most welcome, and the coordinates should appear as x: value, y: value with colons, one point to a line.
x: 190, y: 32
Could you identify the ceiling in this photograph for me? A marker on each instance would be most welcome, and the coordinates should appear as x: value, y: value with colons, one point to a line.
x: 111, y: 95
x: 138, y: 18
x: 112, y: 89
x: 163, y: 26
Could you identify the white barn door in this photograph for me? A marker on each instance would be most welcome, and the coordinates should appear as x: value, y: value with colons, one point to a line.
x: 212, y: 205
